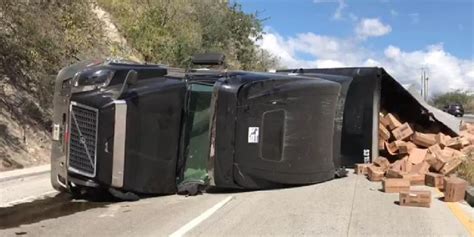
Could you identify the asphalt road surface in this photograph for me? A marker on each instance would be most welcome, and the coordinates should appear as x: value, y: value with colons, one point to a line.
x: 468, y: 118
x: 25, y: 189
x: 349, y: 206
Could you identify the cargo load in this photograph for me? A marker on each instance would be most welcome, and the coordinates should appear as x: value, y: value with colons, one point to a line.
x: 454, y: 189
x: 415, y: 198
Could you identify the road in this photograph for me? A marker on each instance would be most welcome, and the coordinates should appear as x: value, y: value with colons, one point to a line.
x: 24, y: 189
x: 468, y: 118
x: 349, y: 206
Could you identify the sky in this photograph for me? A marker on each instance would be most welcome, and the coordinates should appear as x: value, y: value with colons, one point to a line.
x: 403, y: 36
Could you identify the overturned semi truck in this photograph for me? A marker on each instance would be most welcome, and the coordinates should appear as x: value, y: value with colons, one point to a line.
x: 137, y: 128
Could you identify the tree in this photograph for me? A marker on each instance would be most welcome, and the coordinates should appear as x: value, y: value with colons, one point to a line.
x: 457, y: 96
x: 170, y: 32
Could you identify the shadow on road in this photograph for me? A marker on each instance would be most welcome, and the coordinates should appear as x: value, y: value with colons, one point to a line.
x: 48, y: 208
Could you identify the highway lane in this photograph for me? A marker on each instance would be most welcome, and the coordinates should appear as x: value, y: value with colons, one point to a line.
x: 25, y: 189
x: 347, y: 207
x: 468, y: 118
x: 350, y: 206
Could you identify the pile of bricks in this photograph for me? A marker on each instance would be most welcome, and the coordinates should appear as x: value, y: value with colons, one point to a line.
x: 412, y: 158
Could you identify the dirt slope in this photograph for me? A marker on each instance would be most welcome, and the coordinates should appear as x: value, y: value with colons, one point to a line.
x: 25, y: 88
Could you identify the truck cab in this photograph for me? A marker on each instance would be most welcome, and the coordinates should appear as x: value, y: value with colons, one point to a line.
x: 105, y: 127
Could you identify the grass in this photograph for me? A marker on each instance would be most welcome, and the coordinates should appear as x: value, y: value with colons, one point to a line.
x: 466, y: 170
x: 469, y: 107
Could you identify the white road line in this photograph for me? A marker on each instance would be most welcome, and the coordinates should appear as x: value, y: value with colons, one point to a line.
x: 196, y: 221
x: 28, y: 199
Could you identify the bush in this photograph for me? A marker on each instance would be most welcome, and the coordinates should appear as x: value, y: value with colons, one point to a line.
x: 170, y: 32
x: 466, y: 170
x: 458, y: 96
x: 38, y: 38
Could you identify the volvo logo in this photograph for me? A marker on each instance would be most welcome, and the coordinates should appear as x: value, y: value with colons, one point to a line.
x: 82, y: 140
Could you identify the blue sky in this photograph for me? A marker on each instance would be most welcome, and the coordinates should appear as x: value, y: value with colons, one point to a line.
x: 400, y: 35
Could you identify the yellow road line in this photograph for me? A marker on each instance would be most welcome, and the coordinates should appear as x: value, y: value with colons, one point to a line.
x: 461, y: 215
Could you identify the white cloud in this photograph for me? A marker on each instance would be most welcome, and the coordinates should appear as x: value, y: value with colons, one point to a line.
x: 415, y: 17
x: 326, y: 51
x: 392, y: 52
x: 370, y: 62
x: 341, y: 5
x: 371, y: 27
x: 353, y: 17
x: 325, y: 63
x: 339, y: 11
x: 446, y: 72
x: 276, y: 45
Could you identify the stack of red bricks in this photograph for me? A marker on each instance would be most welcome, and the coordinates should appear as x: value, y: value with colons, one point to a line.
x: 412, y: 158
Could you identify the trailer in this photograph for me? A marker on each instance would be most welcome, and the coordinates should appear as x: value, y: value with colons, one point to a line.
x: 366, y: 91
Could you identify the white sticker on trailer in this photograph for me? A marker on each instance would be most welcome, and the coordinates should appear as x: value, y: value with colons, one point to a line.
x: 56, y: 132
x: 366, y: 156
x: 253, y: 135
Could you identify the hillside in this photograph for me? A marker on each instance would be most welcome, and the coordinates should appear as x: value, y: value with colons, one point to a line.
x: 171, y: 31
x: 38, y: 38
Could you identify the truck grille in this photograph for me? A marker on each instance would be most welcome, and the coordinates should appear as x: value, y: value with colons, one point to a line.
x: 83, y: 139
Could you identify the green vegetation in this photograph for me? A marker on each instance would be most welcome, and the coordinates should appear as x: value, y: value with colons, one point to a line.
x: 458, y: 96
x: 37, y: 38
x: 171, y: 31
x: 466, y: 170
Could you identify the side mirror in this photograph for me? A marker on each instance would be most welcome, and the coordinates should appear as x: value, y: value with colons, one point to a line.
x: 130, y: 79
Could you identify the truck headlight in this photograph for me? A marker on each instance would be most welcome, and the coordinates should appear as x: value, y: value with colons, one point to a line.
x: 97, y: 78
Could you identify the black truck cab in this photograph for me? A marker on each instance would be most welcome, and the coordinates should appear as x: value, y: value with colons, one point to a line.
x: 104, y: 136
